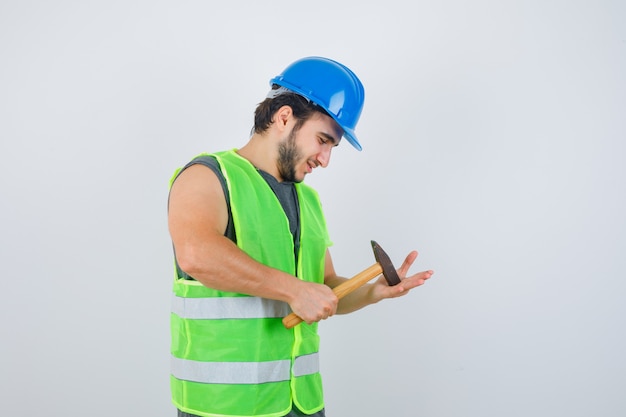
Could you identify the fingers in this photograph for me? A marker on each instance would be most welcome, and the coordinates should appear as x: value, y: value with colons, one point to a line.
x: 320, y: 315
x: 406, y: 265
x: 416, y: 280
x: 324, y: 314
x: 316, y: 302
x: 406, y: 285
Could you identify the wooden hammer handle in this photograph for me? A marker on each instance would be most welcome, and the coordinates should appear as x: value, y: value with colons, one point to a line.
x: 342, y: 290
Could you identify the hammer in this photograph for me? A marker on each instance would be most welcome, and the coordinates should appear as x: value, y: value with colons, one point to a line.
x: 383, y: 265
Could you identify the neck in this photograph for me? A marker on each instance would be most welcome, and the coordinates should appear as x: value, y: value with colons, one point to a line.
x: 262, y: 153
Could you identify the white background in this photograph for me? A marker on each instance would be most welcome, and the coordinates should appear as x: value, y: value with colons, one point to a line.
x: 494, y: 143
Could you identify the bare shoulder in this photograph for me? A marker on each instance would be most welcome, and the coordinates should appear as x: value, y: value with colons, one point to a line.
x: 196, y: 179
x: 197, y: 200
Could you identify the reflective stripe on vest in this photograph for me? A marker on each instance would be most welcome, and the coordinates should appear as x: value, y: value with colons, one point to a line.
x: 228, y: 308
x: 243, y: 372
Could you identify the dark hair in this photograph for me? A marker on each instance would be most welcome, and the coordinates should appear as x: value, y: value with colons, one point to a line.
x: 302, y: 109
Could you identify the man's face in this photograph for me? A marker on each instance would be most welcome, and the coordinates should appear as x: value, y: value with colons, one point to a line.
x: 307, y: 148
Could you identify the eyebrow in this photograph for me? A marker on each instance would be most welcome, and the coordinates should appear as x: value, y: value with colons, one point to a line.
x: 330, y: 138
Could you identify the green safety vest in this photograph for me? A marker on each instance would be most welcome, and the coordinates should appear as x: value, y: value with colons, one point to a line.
x: 231, y: 354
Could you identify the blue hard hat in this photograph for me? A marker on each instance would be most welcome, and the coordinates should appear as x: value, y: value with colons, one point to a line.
x: 330, y: 85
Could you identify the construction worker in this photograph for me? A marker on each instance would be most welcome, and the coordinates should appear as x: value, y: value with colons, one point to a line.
x: 251, y: 246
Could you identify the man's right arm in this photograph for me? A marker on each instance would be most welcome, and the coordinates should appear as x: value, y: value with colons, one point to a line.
x: 197, y: 219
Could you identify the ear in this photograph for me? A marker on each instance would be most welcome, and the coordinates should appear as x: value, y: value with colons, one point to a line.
x: 282, y: 117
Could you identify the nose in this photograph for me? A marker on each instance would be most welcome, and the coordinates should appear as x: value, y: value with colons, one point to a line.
x: 324, y: 156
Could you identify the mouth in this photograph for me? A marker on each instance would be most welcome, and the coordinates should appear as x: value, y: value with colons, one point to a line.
x: 311, y: 165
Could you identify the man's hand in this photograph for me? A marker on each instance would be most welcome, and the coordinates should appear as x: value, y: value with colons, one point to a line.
x: 314, y: 302
x: 381, y: 290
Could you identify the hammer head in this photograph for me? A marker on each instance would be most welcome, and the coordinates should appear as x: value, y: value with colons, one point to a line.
x: 389, y: 272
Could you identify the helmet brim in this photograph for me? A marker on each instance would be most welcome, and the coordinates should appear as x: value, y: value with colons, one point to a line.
x: 351, y: 137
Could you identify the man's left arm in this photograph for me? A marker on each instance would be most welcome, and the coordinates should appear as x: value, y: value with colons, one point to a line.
x: 378, y: 290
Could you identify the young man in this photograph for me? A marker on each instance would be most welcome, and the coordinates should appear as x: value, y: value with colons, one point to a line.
x: 251, y: 246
